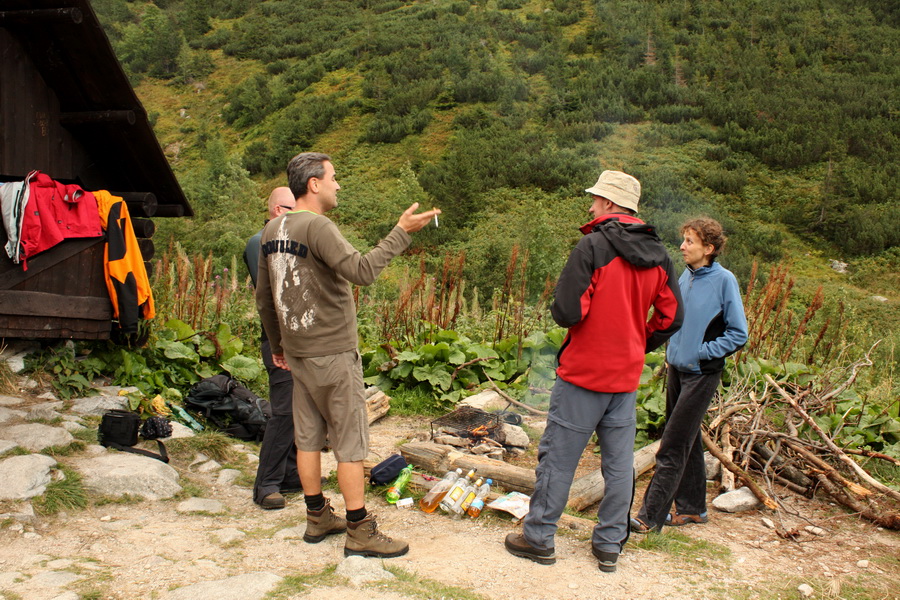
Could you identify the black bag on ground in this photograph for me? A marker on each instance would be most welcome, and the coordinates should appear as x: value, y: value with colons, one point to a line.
x: 387, y: 470
x: 119, y: 429
x: 230, y: 407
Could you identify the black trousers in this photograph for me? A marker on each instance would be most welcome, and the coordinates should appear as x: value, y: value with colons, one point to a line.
x: 277, y: 468
x: 680, y: 474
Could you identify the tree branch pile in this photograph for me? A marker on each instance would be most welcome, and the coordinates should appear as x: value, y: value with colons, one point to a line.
x: 770, y: 438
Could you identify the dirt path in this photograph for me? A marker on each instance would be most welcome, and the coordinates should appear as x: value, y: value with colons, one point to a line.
x: 145, y: 549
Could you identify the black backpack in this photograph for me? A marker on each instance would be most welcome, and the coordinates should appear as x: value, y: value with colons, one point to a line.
x: 230, y: 407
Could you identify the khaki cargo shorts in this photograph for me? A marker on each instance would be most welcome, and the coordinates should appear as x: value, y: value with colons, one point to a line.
x: 329, y: 401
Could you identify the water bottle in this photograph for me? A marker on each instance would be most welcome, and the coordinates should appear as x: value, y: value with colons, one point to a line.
x: 393, y: 493
x: 430, y: 501
x: 471, y: 492
x: 457, y: 488
x: 477, y: 504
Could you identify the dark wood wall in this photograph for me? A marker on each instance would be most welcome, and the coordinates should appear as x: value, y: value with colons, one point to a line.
x: 33, y: 137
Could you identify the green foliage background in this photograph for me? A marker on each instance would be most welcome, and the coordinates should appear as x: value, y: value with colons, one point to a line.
x: 778, y: 118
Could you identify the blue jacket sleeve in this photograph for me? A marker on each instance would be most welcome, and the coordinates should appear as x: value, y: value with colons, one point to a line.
x: 735, y: 334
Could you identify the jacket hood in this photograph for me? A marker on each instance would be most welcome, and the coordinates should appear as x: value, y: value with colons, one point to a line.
x: 633, y: 240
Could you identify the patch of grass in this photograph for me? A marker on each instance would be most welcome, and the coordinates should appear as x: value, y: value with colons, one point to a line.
x: 7, y: 379
x: 8, y: 595
x: 189, y: 489
x: 415, y: 403
x: 66, y: 494
x: 294, y: 585
x: 87, y: 435
x: 678, y: 544
x: 17, y: 451
x: 213, y: 444
x: 67, y: 450
x: 414, y: 586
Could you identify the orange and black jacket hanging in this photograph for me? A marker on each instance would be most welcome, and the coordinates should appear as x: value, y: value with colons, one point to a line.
x: 126, y: 276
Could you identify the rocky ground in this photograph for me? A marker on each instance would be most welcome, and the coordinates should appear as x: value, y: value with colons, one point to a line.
x: 202, y: 537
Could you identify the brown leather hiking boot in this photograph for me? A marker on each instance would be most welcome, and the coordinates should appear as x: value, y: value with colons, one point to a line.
x: 364, y: 539
x: 322, y: 523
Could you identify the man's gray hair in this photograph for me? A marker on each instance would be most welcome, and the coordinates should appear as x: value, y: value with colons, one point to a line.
x: 302, y: 167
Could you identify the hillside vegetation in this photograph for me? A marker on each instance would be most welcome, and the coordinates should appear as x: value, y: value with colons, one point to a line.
x: 778, y: 118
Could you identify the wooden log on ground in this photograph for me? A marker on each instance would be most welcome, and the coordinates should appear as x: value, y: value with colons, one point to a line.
x: 728, y: 449
x: 440, y: 459
x: 589, y: 489
x: 377, y: 405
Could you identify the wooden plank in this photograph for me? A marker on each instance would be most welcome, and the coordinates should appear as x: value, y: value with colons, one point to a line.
x: 12, y: 274
x: 37, y: 304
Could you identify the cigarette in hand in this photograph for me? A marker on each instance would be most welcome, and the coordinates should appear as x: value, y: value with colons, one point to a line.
x: 435, y: 219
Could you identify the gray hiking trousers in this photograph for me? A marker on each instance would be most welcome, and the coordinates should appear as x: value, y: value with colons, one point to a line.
x: 575, y: 413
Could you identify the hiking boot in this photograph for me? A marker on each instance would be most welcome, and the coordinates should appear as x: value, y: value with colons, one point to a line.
x: 272, y: 502
x: 677, y: 519
x: 364, y: 539
x: 606, y: 561
x: 517, y: 545
x: 322, y: 523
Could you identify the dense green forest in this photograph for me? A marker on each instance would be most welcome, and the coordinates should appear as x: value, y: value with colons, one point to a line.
x: 781, y: 119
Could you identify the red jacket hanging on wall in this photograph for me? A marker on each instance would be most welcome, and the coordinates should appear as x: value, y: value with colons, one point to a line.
x: 126, y: 276
x: 56, y: 212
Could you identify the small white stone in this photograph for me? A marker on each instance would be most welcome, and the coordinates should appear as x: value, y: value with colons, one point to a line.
x: 768, y: 523
x: 573, y: 586
x: 814, y: 530
x: 106, y: 518
x: 863, y: 564
x: 805, y: 590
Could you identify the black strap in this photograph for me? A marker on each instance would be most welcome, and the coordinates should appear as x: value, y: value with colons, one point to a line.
x: 163, y: 455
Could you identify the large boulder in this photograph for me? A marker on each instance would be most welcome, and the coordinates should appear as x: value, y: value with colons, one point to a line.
x: 249, y: 586
x: 37, y: 436
x: 117, y: 474
x: 25, y: 476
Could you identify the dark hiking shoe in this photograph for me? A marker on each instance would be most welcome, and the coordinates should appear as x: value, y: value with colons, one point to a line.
x: 606, y: 561
x: 677, y: 519
x: 364, y: 539
x: 272, y: 502
x: 322, y: 523
x: 517, y: 545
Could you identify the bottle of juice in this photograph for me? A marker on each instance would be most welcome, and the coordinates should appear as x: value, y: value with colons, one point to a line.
x: 477, y: 504
x: 429, y: 502
x: 456, y: 491
x: 467, y: 498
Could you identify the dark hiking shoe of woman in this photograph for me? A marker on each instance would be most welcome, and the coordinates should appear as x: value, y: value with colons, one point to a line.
x: 606, y: 561
x: 517, y: 545
x: 272, y: 502
x: 677, y: 520
x: 638, y: 526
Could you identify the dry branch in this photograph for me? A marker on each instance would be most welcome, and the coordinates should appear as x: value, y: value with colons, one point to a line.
x: 741, y: 474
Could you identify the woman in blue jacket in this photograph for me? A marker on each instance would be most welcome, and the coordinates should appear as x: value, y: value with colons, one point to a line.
x: 714, y: 327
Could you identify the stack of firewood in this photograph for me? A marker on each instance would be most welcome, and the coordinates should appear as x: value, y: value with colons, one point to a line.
x: 769, y: 438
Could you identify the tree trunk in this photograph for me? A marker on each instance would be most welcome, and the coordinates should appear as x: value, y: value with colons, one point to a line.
x: 589, y: 489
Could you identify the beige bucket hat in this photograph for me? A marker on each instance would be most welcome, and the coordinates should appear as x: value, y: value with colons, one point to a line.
x: 619, y: 188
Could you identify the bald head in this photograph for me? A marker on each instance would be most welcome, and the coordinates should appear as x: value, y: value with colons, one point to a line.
x: 281, y: 200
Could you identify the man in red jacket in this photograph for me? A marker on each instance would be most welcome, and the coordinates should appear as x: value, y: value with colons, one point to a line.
x: 615, y: 274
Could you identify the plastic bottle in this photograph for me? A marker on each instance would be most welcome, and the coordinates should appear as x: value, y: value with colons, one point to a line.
x: 393, y: 493
x: 477, y: 504
x: 471, y: 492
x: 456, y: 491
x: 430, y: 501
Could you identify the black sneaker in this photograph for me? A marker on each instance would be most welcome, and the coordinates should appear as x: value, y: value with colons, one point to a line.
x: 517, y: 545
x: 606, y: 561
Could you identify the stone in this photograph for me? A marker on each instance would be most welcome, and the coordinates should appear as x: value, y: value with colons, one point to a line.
x: 249, y: 586
x: 10, y: 400
x: 7, y: 445
x: 180, y: 431
x: 451, y: 440
x: 879, y: 298
x: 814, y: 530
x: 37, y: 436
x: 739, y: 500
x: 228, y: 476
x: 360, y: 571
x: 204, y: 505
x: 513, y: 435
x: 72, y: 427
x: 14, y: 353
x: 53, y: 579
x: 25, y: 476
x: 805, y: 590
x: 488, y: 401
x: 67, y: 596
x: 290, y: 533
x: 839, y: 266
x: 10, y: 414
x: 97, y: 405
x: 229, y: 535
x: 209, y: 466
x: 863, y: 564
x: 22, y: 512
x: 44, y: 412
x: 768, y: 523
x: 117, y: 474
x: 713, y: 466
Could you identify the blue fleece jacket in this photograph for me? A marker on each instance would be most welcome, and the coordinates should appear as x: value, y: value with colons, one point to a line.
x: 714, y: 322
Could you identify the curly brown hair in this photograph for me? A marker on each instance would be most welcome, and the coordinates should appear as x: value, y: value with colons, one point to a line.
x: 709, y: 231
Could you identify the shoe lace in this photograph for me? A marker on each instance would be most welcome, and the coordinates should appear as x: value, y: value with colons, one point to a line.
x: 374, y: 533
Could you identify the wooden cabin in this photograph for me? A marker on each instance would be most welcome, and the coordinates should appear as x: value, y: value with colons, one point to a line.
x: 68, y: 110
